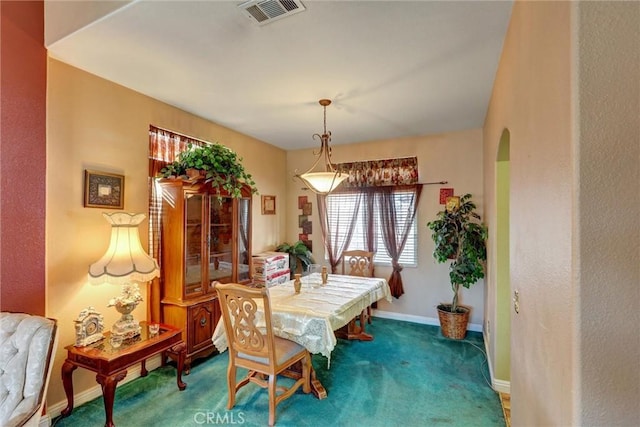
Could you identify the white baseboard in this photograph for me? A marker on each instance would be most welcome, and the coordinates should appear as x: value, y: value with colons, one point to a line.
x: 85, y: 396
x: 45, y: 421
x: 501, y: 386
x: 419, y: 319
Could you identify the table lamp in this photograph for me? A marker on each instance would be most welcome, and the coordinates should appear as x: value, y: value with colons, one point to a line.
x: 124, y: 263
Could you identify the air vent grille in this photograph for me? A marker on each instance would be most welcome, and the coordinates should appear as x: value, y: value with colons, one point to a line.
x: 265, y: 11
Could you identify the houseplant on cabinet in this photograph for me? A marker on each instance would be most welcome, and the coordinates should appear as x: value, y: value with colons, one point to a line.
x: 216, y: 164
x: 460, y: 238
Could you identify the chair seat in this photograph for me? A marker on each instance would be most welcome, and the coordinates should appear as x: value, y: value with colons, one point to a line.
x: 285, y: 349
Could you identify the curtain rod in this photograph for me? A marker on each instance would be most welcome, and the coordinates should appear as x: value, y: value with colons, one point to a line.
x: 180, y: 134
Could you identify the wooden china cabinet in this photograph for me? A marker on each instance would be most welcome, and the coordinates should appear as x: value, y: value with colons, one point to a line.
x: 205, y: 238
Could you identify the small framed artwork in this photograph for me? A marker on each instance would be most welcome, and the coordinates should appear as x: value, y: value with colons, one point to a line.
x: 103, y: 190
x: 306, y: 209
x: 444, y: 194
x: 301, y: 201
x: 453, y: 203
x: 301, y: 220
x: 303, y: 237
x: 307, y: 227
x: 268, y: 205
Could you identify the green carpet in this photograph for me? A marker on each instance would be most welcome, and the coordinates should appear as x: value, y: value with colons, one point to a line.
x: 409, y: 375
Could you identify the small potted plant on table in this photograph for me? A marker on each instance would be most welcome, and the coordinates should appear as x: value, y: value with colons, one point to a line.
x: 460, y: 238
x: 298, y: 253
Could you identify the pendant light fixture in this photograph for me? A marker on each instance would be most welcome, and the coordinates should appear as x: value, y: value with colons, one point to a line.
x: 327, y: 181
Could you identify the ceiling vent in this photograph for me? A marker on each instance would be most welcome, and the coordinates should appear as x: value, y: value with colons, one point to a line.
x: 265, y: 11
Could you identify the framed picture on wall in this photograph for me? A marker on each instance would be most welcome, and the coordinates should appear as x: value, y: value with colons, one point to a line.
x: 306, y: 209
x: 453, y: 203
x: 268, y: 205
x: 301, y: 201
x: 103, y: 190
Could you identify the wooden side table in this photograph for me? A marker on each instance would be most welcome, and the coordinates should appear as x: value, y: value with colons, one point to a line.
x: 110, y: 364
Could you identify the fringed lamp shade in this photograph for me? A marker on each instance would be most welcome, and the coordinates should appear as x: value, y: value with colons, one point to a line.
x: 125, y: 260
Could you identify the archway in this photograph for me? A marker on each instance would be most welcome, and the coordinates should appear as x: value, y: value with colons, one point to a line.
x: 502, y: 328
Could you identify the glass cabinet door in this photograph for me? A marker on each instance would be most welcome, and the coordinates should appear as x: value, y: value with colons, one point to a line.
x: 194, y: 242
x: 244, y: 258
x: 220, y: 239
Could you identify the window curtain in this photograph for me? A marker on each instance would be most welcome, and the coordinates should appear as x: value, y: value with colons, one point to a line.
x: 380, y: 173
x: 376, y: 181
x: 394, y: 234
x: 164, y: 147
x: 334, y: 242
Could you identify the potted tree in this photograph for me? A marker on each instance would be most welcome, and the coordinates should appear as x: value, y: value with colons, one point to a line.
x: 298, y: 252
x: 215, y: 164
x: 460, y: 238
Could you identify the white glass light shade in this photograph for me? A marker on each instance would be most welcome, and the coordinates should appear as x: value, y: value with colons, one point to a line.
x: 125, y: 259
x: 323, y: 182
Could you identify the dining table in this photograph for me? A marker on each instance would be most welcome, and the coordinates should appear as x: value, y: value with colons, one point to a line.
x: 314, y: 316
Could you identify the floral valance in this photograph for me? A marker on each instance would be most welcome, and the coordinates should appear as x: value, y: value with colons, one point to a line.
x: 376, y: 173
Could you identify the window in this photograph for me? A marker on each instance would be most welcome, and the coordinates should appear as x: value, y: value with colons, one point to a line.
x: 341, y: 204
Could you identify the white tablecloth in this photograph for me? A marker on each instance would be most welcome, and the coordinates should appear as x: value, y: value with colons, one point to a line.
x: 310, y: 317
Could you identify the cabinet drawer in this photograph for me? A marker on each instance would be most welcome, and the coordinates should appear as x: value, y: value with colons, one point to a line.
x: 201, y: 321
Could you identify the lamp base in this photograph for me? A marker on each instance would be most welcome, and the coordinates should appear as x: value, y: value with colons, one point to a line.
x: 126, y: 327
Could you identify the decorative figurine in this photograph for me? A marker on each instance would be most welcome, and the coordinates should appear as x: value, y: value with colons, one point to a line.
x: 297, y: 283
x: 89, y: 326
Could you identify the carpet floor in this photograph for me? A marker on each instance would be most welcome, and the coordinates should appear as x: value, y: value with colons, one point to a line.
x: 409, y: 375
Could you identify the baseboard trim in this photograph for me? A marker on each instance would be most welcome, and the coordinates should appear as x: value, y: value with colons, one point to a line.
x: 88, y: 395
x: 419, y: 319
x: 501, y: 386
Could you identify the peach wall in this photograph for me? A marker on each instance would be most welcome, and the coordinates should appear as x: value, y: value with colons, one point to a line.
x: 532, y: 99
x: 453, y: 157
x: 608, y: 208
x: 22, y: 157
x: 96, y: 124
x: 567, y: 90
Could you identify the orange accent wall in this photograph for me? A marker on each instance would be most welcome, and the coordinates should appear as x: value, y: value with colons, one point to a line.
x: 23, y: 60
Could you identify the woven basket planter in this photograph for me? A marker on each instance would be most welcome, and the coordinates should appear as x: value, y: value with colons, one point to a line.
x: 453, y: 325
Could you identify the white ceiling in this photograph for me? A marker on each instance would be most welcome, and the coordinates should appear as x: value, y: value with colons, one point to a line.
x: 392, y: 68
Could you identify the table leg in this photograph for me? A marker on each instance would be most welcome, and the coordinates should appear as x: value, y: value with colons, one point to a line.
x: 352, y: 331
x: 295, y: 372
x: 316, y: 386
x: 67, y: 382
x: 181, y: 350
x: 143, y: 368
x: 108, y: 384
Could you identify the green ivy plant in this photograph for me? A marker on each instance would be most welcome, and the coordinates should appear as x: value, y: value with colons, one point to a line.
x: 460, y: 237
x: 298, y: 252
x: 220, y: 166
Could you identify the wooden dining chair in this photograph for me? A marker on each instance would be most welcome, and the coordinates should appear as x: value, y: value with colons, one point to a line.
x: 359, y: 263
x: 256, y: 348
